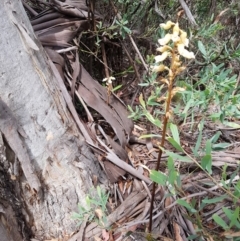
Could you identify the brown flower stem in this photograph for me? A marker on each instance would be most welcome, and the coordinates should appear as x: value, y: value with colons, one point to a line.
x: 106, y: 71
x: 165, y: 122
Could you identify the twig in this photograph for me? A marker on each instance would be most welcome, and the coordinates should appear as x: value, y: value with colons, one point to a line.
x: 188, y: 12
x: 90, y: 118
x: 132, y: 62
x: 66, y: 49
x: 136, y: 72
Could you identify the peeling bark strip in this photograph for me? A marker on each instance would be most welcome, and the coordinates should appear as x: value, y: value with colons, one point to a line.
x: 28, y: 42
x: 11, y: 130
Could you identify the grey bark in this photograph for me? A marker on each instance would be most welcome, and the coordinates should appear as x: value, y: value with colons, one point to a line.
x: 57, y: 151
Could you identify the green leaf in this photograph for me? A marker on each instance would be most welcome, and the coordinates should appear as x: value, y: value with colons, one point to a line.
x: 214, y: 200
x: 199, y: 140
x: 172, y: 176
x: 156, y: 122
x: 88, y: 201
x: 206, y: 163
x: 174, y: 144
x: 148, y: 136
x: 170, y: 163
x: 186, y: 205
x: 202, y: 48
x: 117, y: 88
x: 158, y: 177
x: 224, y: 171
x: 142, y: 102
x: 188, y: 105
x: 99, y: 191
x: 127, y: 30
x: 208, y: 147
x: 220, y: 221
x: 130, y: 108
x: 202, y: 205
x: 228, y: 212
x: 234, y: 218
x: 175, y: 133
x: 215, y: 137
x: 177, y: 157
x: 220, y: 146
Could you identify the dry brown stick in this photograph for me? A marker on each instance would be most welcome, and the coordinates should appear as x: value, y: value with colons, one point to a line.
x: 136, y: 72
x: 188, y: 12
x: 105, y: 60
x: 132, y: 62
x: 138, y: 52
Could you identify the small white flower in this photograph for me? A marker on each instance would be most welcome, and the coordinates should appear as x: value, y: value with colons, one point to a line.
x: 109, y: 80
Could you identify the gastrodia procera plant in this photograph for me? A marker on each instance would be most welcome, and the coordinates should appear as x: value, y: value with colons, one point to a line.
x: 173, y: 45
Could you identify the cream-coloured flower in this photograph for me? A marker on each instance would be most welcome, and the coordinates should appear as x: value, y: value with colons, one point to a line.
x: 158, y: 68
x: 175, y: 35
x: 176, y: 29
x: 165, y: 39
x: 167, y: 25
x: 183, y: 38
x: 109, y: 80
x: 185, y: 53
x: 160, y: 58
x: 175, y: 38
